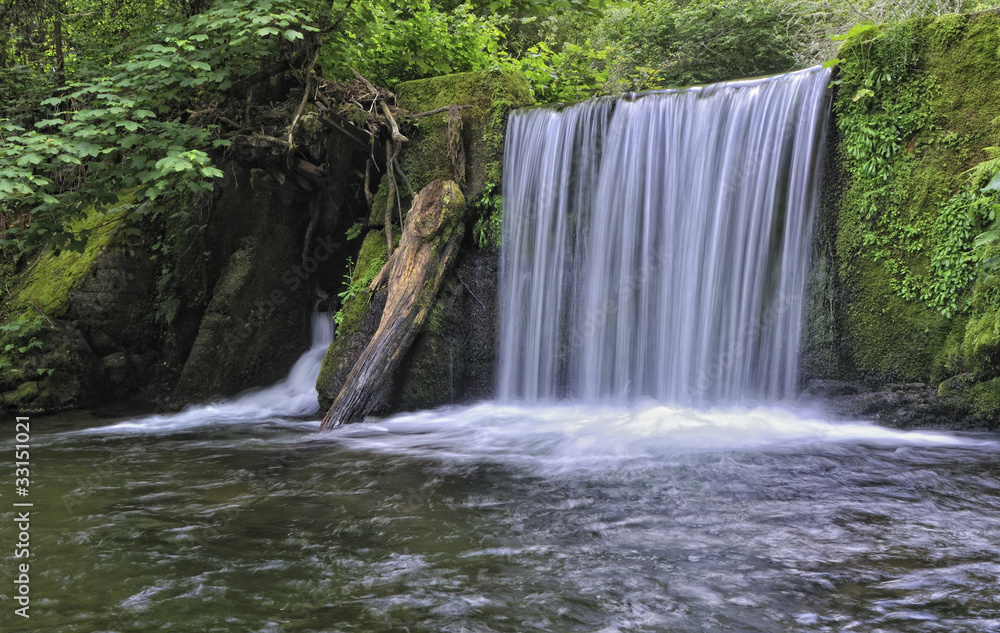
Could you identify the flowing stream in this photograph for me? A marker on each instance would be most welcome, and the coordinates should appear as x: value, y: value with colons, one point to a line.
x: 628, y: 505
x: 510, y: 518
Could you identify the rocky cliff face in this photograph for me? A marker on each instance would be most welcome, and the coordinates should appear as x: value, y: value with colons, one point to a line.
x: 205, y: 302
x: 215, y: 297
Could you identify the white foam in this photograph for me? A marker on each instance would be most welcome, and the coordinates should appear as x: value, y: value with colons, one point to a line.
x: 573, y: 436
x: 294, y: 396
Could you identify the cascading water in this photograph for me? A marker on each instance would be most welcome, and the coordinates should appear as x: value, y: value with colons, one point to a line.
x: 657, y: 245
x: 295, y: 395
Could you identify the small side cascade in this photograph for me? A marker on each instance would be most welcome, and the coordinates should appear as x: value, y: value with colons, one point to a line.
x: 657, y: 245
x: 293, y: 396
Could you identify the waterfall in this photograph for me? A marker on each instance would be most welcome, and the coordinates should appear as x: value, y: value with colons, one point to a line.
x: 657, y: 245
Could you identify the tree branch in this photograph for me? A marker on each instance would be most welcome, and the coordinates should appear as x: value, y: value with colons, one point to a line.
x: 305, y: 95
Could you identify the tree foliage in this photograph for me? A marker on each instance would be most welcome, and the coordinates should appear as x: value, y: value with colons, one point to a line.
x: 101, y: 97
x: 667, y: 43
x: 125, y: 125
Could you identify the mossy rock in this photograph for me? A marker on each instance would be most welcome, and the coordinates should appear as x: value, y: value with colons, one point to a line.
x: 47, y: 319
x: 345, y: 349
x: 370, y: 261
x: 50, y: 281
x: 453, y: 360
x: 254, y: 327
x: 979, y: 401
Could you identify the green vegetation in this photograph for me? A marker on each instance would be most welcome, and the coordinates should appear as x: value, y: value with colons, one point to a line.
x: 99, y: 98
x: 149, y: 97
x: 355, y: 297
x: 915, y: 108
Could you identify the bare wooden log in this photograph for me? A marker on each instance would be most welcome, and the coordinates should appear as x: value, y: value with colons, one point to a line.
x: 427, y: 249
x: 337, y: 122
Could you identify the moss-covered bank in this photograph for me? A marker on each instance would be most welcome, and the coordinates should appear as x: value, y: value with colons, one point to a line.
x: 915, y: 106
x: 50, y: 357
x: 207, y: 300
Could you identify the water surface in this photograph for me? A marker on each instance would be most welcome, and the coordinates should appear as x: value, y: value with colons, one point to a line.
x: 504, y: 518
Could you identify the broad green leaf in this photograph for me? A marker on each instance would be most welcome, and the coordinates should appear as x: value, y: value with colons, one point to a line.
x: 30, y: 159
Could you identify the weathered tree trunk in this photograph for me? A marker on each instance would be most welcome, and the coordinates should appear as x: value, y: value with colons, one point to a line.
x: 427, y: 248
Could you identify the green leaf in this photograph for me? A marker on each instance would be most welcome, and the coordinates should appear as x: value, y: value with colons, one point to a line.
x: 291, y: 35
x: 32, y: 159
x: 994, y: 184
x: 863, y: 92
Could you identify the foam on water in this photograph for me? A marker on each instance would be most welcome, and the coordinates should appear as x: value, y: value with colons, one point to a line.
x: 572, y: 436
x: 294, y: 396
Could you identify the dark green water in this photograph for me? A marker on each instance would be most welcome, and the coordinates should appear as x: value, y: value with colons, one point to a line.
x: 503, y: 519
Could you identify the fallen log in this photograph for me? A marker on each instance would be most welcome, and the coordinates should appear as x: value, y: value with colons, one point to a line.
x: 430, y: 240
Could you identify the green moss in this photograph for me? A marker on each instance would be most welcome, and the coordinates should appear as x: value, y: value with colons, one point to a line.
x: 371, y: 260
x: 492, y: 96
x: 915, y: 106
x: 26, y: 393
x: 891, y: 338
x: 946, y: 30
x: 50, y: 281
x: 981, y: 344
x: 950, y: 360
x: 985, y: 398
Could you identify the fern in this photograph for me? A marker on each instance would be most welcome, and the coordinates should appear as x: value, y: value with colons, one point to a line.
x: 988, y: 169
x: 989, y: 237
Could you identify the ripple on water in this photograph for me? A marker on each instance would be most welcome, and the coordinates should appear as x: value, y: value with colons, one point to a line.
x: 500, y: 518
